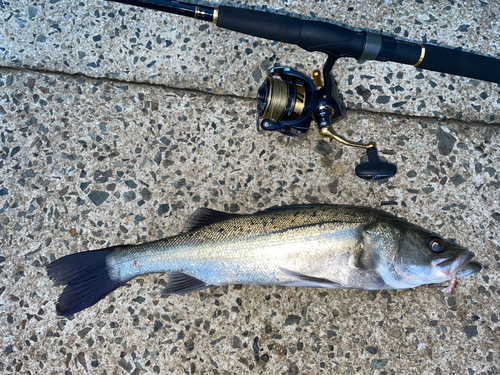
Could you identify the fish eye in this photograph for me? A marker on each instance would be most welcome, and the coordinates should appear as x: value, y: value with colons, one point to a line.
x: 436, y: 244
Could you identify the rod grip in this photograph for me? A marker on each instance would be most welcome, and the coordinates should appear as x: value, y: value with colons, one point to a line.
x: 341, y: 41
x: 440, y: 59
x: 260, y: 24
x: 326, y: 37
x: 310, y: 35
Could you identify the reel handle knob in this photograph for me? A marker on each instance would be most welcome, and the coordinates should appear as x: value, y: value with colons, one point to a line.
x: 375, y: 169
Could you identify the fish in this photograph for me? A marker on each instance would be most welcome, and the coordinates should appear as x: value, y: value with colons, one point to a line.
x: 317, y: 246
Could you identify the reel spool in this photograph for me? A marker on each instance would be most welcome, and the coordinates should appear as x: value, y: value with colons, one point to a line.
x: 280, y: 100
x: 285, y: 101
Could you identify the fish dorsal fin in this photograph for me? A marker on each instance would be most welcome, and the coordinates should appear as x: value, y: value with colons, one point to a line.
x: 206, y: 216
x: 310, y: 279
x: 180, y: 283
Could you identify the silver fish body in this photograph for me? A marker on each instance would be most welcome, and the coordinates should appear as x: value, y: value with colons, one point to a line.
x: 329, y: 246
x: 260, y: 249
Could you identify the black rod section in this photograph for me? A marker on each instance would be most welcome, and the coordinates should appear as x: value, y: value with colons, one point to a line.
x: 334, y: 39
x: 461, y: 63
x: 176, y: 7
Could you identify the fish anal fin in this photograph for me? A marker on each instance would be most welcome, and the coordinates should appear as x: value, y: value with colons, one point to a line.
x: 311, y: 279
x: 180, y: 283
x: 206, y: 216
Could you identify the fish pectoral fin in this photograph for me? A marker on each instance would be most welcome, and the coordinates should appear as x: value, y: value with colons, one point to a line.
x: 206, y: 216
x: 180, y: 283
x: 310, y: 279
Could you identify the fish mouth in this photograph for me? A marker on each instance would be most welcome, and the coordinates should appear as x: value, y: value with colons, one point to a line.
x: 460, y: 265
x: 470, y: 269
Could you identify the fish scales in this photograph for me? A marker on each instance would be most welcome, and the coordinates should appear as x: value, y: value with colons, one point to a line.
x: 251, y: 249
x: 328, y: 246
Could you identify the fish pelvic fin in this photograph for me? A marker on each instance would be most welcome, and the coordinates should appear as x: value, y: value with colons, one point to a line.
x: 180, y: 283
x: 87, y: 279
x: 206, y: 216
x: 320, y: 282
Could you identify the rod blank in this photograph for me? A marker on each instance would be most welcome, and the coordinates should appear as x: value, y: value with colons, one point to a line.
x: 334, y: 39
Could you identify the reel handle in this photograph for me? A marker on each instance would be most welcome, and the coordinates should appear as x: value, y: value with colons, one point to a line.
x: 375, y: 169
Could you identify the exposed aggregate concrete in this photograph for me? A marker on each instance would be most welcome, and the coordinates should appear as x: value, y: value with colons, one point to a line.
x: 104, y: 39
x: 96, y: 160
x: 87, y: 164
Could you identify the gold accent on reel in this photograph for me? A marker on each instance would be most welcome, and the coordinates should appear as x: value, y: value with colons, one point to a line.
x: 317, y: 80
x: 328, y: 132
x: 299, y: 101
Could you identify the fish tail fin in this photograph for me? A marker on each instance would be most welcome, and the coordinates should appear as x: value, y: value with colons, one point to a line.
x: 87, y: 279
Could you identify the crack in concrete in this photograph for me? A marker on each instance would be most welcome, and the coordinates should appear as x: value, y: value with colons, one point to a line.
x: 117, y: 81
x: 243, y: 98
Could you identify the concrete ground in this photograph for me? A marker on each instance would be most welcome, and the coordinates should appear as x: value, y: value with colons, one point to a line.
x: 116, y: 123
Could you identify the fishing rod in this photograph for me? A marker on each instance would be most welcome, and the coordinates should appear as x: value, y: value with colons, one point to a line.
x: 288, y: 100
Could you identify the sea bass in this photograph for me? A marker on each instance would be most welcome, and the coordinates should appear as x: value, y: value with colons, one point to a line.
x: 323, y: 246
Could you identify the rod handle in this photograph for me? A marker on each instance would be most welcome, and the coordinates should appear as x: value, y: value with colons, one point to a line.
x: 310, y: 35
x: 260, y: 24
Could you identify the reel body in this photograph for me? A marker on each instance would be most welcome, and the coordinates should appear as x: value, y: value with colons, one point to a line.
x: 288, y: 100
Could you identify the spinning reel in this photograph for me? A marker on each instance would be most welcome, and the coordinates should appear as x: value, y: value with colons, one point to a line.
x: 288, y: 100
